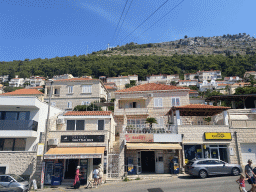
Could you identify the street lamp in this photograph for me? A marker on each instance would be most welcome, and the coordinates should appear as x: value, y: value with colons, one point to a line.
x: 46, y: 133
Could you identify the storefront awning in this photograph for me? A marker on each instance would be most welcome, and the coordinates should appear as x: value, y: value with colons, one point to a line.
x: 153, y: 146
x: 74, y: 153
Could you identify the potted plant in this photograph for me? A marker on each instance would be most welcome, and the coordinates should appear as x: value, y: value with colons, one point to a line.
x: 208, y: 120
x: 150, y: 121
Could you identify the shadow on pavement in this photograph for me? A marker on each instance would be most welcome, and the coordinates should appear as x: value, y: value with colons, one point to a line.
x: 194, y: 177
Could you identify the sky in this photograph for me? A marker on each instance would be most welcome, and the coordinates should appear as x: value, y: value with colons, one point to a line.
x: 31, y: 29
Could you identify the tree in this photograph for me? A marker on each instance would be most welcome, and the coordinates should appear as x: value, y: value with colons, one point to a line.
x: 11, y: 74
x: 252, y: 80
x: 151, y: 120
x: 185, y: 36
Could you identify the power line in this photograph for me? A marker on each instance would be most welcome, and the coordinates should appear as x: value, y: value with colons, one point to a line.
x: 146, y: 19
x: 162, y: 17
x: 120, y: 18
x: 125, y: 17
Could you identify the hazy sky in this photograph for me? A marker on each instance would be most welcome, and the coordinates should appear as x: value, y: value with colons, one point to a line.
x: 49, y: 28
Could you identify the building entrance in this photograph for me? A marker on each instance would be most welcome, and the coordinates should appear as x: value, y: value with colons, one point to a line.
x: 148, y: 161
x: 70, y: 170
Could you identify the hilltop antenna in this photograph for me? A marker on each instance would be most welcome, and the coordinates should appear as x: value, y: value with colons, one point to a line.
x: 108, y: 46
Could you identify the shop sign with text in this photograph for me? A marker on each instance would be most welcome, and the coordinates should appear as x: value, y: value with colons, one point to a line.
x: 217, y: 136
x: 73, y: 156
x: 82, y: 138
x: 139, y: 138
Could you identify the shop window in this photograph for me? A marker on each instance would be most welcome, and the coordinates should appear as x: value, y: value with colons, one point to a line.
x: 12, y: 144
x: 75, y: 125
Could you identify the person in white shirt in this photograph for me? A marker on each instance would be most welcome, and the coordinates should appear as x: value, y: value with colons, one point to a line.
x: 96, y: 176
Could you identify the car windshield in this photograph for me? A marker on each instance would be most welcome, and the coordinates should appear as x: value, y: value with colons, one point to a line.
x: 190, y: 163
x: 17, y: 178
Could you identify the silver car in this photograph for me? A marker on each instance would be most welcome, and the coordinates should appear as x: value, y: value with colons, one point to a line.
x: 11, y: 180
x: 205, y: 167
x: 10, y: 189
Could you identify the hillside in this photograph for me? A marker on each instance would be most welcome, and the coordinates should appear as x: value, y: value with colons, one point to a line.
x: 139, y: 59
x: 227, y: 45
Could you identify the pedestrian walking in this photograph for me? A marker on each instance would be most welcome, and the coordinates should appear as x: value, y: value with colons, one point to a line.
x: 241, y: 182
x: 100, y: 173
x: 96, y: 176
x: 250, y: 175
x: 76, y: 183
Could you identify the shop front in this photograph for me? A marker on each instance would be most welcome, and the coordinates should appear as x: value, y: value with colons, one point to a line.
x: 61, y: 163
x: 215, y: 145
x: 152, y: 155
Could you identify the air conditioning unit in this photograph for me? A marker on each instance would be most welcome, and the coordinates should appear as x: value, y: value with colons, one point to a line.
x: 60, y: 121
x: 53, y: 142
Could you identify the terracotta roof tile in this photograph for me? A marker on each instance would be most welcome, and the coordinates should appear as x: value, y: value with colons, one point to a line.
x: 24, y: 92
x: 88, y: 113
x: 37, y: 87
x: 200, y: 106
x: 151, y: 87
x: 109, y: 87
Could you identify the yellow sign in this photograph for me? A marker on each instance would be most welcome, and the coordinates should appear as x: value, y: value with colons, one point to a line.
x: 217, y: 136
x: 186, y: 161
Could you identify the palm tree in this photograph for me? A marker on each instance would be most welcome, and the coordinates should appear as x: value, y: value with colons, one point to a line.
x: 151, y: 120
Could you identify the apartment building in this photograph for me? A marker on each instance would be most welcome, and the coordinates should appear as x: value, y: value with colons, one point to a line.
x: 121, y: 81
x: 36, y: 81
x: 233, y: 79
x: 83, y: 138
x: 187, y: 83
x: 162, y: 78
x: 190, y: 76
x: 68, y: 93
x: 209, y: 75
x: 16, y: 82
x: 143, y: 141
x: 22, y: 128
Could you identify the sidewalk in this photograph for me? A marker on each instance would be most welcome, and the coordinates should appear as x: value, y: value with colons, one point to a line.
x: 132, y: 178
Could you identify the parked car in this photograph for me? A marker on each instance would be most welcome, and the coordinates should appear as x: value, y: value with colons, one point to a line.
x: 14, y: 181
x: 10, y: 189
x: 205, y: 167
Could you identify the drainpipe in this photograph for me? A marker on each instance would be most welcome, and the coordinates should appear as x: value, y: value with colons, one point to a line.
x: 237, y: 151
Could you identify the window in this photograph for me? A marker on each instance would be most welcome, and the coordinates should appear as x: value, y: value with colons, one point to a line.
x: 158, y: 102
x: 86, y: 102
x: 12, y: 144
x: 14, y: 115
x: 75, y: 125
x: 69, y: 104
x: 160, y: 122
x: 138, y: 123
x: 175, y: 101
x: 101, y: 124
x: 70, y: 89
x: 2, y: 171
x: 86, y: 88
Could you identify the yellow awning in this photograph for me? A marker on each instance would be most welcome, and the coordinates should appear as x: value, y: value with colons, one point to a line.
x: 74, y: 152
x: 152, y: 146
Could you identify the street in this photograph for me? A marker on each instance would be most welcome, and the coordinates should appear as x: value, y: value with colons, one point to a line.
x: 181, y: 184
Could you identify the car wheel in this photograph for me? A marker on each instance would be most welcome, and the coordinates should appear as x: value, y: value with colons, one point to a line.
x: 235, y: 171
x: 202, y: 174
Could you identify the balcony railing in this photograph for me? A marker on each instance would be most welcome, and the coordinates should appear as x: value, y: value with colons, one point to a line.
x: 18, y: 125
x: 131, y: 111
x: 146, y: 129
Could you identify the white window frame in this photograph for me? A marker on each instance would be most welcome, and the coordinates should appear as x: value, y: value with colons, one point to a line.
x: 86, y: 88
x: 75, y: 124
x: 70, y: 89
x: 98, y: 124
x: 69, y: 106
x: 176, y: 101
x: 158, y: 102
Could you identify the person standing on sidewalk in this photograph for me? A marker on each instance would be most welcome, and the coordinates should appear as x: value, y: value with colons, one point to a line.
x: 96, y: 176
x: 250, y: 175
x: 77, y: 181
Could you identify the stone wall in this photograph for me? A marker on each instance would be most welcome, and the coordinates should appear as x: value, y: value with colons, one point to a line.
x: 20, y: 163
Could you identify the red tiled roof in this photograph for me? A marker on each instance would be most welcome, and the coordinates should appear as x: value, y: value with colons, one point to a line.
x: 187, y: 80
x: 88, y: 113
x: 151, y: 87
x: 200, y: 106
x: 109, y: 87
x: 75, y: 79
x: 223, y: 84
x: 24, y: 92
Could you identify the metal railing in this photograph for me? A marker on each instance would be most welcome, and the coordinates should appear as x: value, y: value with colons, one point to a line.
x: 131, y: 111
x: 18, y: 125
x: 155, y: 130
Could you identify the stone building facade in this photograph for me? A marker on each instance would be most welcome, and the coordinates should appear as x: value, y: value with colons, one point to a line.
x: 68, y: 93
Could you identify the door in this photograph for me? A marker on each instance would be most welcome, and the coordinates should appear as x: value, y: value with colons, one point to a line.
x: 214, y: 153
x: 139, y: 162
x: 159, y: 162
x: 248, y: 151
x: 71, y: 165
x: 148, y: 161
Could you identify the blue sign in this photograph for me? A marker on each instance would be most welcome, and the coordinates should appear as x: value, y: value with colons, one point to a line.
x: 250, y: 150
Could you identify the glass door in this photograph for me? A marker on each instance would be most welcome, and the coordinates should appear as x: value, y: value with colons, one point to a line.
x: 214, y: 152
x: 83, y: 171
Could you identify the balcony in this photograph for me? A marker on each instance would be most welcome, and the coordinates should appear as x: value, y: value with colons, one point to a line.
x: 243, y: 124
x: 18, y: 125
x: 143, y: 129
x: 131, y: 111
